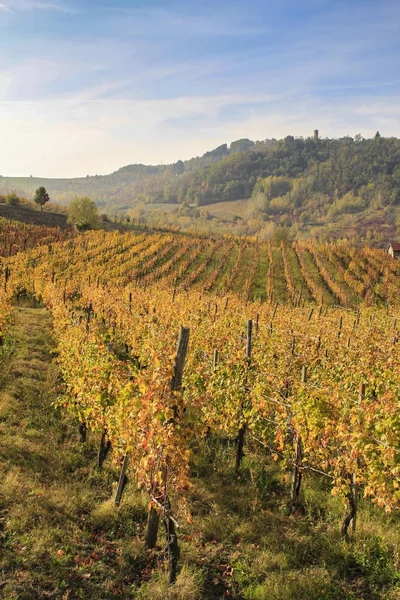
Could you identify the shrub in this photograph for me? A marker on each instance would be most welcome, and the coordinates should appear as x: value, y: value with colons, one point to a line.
x: 12, y: 199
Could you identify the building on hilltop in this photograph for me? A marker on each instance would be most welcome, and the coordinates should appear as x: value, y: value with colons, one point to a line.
x: 394, y: 250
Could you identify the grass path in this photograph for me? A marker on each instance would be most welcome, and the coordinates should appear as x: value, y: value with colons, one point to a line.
x: 53, y: 538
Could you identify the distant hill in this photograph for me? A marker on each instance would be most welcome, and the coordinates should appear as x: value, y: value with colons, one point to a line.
x: 129, y: 185
x: 306, y: 185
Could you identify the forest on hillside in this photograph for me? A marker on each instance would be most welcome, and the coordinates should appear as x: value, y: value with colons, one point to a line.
x: 299, y: 183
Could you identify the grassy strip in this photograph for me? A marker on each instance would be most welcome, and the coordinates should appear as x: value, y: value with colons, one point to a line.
x: 199, y: 266
x: 206, y: 276
x: 202, y: 257
x: 246, y: 263
x: 59, y: 535
x: 259, y: 283
x: 227, y: 270
x: 298, y: 279
x: 280, y: 287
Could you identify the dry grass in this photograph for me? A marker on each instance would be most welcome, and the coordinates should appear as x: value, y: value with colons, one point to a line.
x: 230, y: 208
x: 189, y: 586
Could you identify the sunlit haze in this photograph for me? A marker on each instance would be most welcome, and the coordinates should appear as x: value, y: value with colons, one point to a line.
x: 89, y: 86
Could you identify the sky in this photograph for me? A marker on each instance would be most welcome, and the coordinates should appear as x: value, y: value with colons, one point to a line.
x: 89, y: 86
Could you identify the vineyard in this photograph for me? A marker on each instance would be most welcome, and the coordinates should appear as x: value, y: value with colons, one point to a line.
x: 172, y: 349
x: 335, y: 274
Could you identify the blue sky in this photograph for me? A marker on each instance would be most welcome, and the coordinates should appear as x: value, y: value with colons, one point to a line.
x: 89, y: 86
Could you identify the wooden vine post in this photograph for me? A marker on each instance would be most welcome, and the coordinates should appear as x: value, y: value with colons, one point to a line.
x: 352, y: 497
x: 82, y: 432
x: 82, y: 425
x: 160, y: 501
x: 104, y: 449
x: 340, y: 327
x: 88, y: 316
x: 121, y: 482
x: 242, y: 429
x: 274, y: 312
x: 6, y: 277
x: 297, y: 460
x: 318, y: 342
x: 301, y: 294
x: 215, y: 359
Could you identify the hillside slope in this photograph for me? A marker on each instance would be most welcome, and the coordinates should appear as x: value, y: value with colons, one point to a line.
x: 33, y: 217
x: 303, y: 184
x: 296, y: 274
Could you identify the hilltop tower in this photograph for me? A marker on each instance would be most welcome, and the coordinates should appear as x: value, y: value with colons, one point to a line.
x: 315, y: 135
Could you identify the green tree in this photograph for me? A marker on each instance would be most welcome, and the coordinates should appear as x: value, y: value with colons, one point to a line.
x: 178, y: 168
x: 82, y: 213
x: 41, y: 197
x: 242, y: 145
x: 281, y: 234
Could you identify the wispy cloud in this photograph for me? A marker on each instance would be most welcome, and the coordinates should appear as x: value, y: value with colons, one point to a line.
x: 13, y: 6
x: 171, y: 21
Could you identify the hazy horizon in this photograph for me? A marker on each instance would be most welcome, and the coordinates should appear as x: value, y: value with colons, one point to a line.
x: 88, y: 88
x: 148, y: 164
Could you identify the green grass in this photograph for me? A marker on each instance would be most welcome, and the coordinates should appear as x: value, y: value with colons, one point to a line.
x: 215, y: 261
x: 227, y: 270
x: 298, y: 279
x: 202, y: 258
x: 251, y: 548
x: 280, y: 286
x: 239, y: 284
x: 260, y: 279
